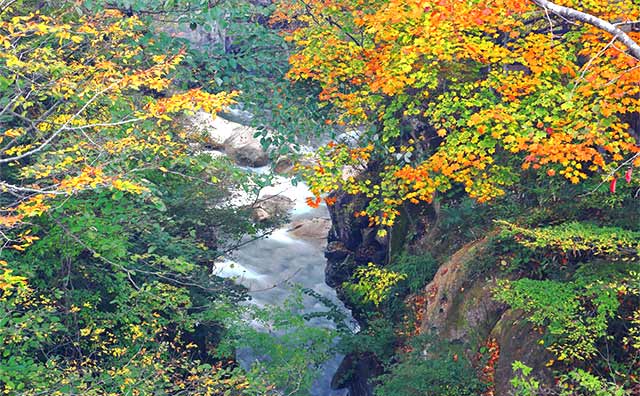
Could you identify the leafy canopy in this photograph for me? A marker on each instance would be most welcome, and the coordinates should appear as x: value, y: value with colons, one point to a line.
x: 467, y: 94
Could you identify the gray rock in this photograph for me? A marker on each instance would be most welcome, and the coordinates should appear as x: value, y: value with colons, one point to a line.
x: 315, y: 230
x: 244, y: 149
x: 272, y: 207
x: 284, y: 166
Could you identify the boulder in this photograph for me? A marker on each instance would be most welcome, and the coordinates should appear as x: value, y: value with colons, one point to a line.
x: 214, y: 129
x: 236, y: 140
x: 314, y: 230
x: 355, y: 373
x: 519, y: 340
x: 283, y: 166
x: 271, y: 207
x: 244, y: 149
x: 458, y: 308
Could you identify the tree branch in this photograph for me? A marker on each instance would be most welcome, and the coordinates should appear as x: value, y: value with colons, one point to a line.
x: 570, y: 13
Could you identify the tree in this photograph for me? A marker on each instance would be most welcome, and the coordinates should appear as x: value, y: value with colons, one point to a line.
x: 109, y: 220
x: 83, y: 108
x: 469, y: 95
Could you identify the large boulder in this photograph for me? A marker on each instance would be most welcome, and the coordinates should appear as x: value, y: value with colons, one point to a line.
x: 244, y: 149
x: 236, y: 140
x: 313, y: 230
x: 518, y: 340
x: 215, y: 130
x: 460, y: 308
x: 272, y: 207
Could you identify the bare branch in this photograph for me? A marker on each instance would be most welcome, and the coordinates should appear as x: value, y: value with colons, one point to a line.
x: 619, y: 34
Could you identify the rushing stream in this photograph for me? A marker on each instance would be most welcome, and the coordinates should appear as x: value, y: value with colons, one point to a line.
x: 265, y: 265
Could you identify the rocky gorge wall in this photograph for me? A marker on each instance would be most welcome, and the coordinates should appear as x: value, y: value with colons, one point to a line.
x: 457, y: 304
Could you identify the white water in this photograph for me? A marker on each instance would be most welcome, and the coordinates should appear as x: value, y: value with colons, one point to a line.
x: 264, y: 266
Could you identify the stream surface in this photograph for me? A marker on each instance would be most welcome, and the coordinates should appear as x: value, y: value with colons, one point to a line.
x: 265, y: 265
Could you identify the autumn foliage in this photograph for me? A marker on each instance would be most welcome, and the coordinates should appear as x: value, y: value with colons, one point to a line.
x: 86, y: 108
x: 470, y: 94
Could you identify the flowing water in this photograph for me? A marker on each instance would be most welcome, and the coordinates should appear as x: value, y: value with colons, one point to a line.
x: 266, y: 265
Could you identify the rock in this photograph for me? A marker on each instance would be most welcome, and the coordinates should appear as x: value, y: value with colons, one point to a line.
x: 200, y: 38
x: 458, y: 309
x: 271, y: 207
x: 244, y: 149
x: 237, y: 115
x: 519, y: 341
x: 338, y: 272
x: 215, y: 130
x: 355, y: 373
x: 283, y: 166
x: 336, y: 251
x: 235, y: 139
x: 314, y: 230
x: 345, y: 227
x: 260, y: 215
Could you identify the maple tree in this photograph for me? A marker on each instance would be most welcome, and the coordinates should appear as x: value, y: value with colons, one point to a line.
x: 470, y: 93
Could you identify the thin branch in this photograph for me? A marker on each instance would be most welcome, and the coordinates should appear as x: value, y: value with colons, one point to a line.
x: 58, y: 132
x: 619, y: 34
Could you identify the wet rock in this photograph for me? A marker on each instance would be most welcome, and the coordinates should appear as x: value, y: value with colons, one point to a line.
x: 315, y: 230
x: 244, y: 149
x: 355, y: 373
x: 345, y: 227
x: 370, y: 253
x: 337, y: 273
x: 271, y: 207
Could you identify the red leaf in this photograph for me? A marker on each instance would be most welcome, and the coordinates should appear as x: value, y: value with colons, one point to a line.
x: 627, y: 175
x: 313, y: 202
x: 612, y: 186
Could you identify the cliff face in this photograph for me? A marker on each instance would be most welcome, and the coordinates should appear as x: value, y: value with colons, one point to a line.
x: 351, y: 243
x: 460, y: 309
x: 458, y: 304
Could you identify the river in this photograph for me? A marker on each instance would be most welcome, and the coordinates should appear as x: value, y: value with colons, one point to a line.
x: 266, y: 265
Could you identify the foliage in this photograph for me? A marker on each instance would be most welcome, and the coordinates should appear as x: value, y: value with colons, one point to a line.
x: 120, y: 287
x: 111, y: 220
x: 584, y: 383
x: 291, y: 351
x: 373, y: 283
x: 464, y: 95
x: 577, y: 313
x: 235, y: 48
x: 578, y: 237
x: 522, y: 383
x: 79, y: 109
x: 379, y: 337
x: 436, y: 371
x: 575, y: 382
x: 417, y: 269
